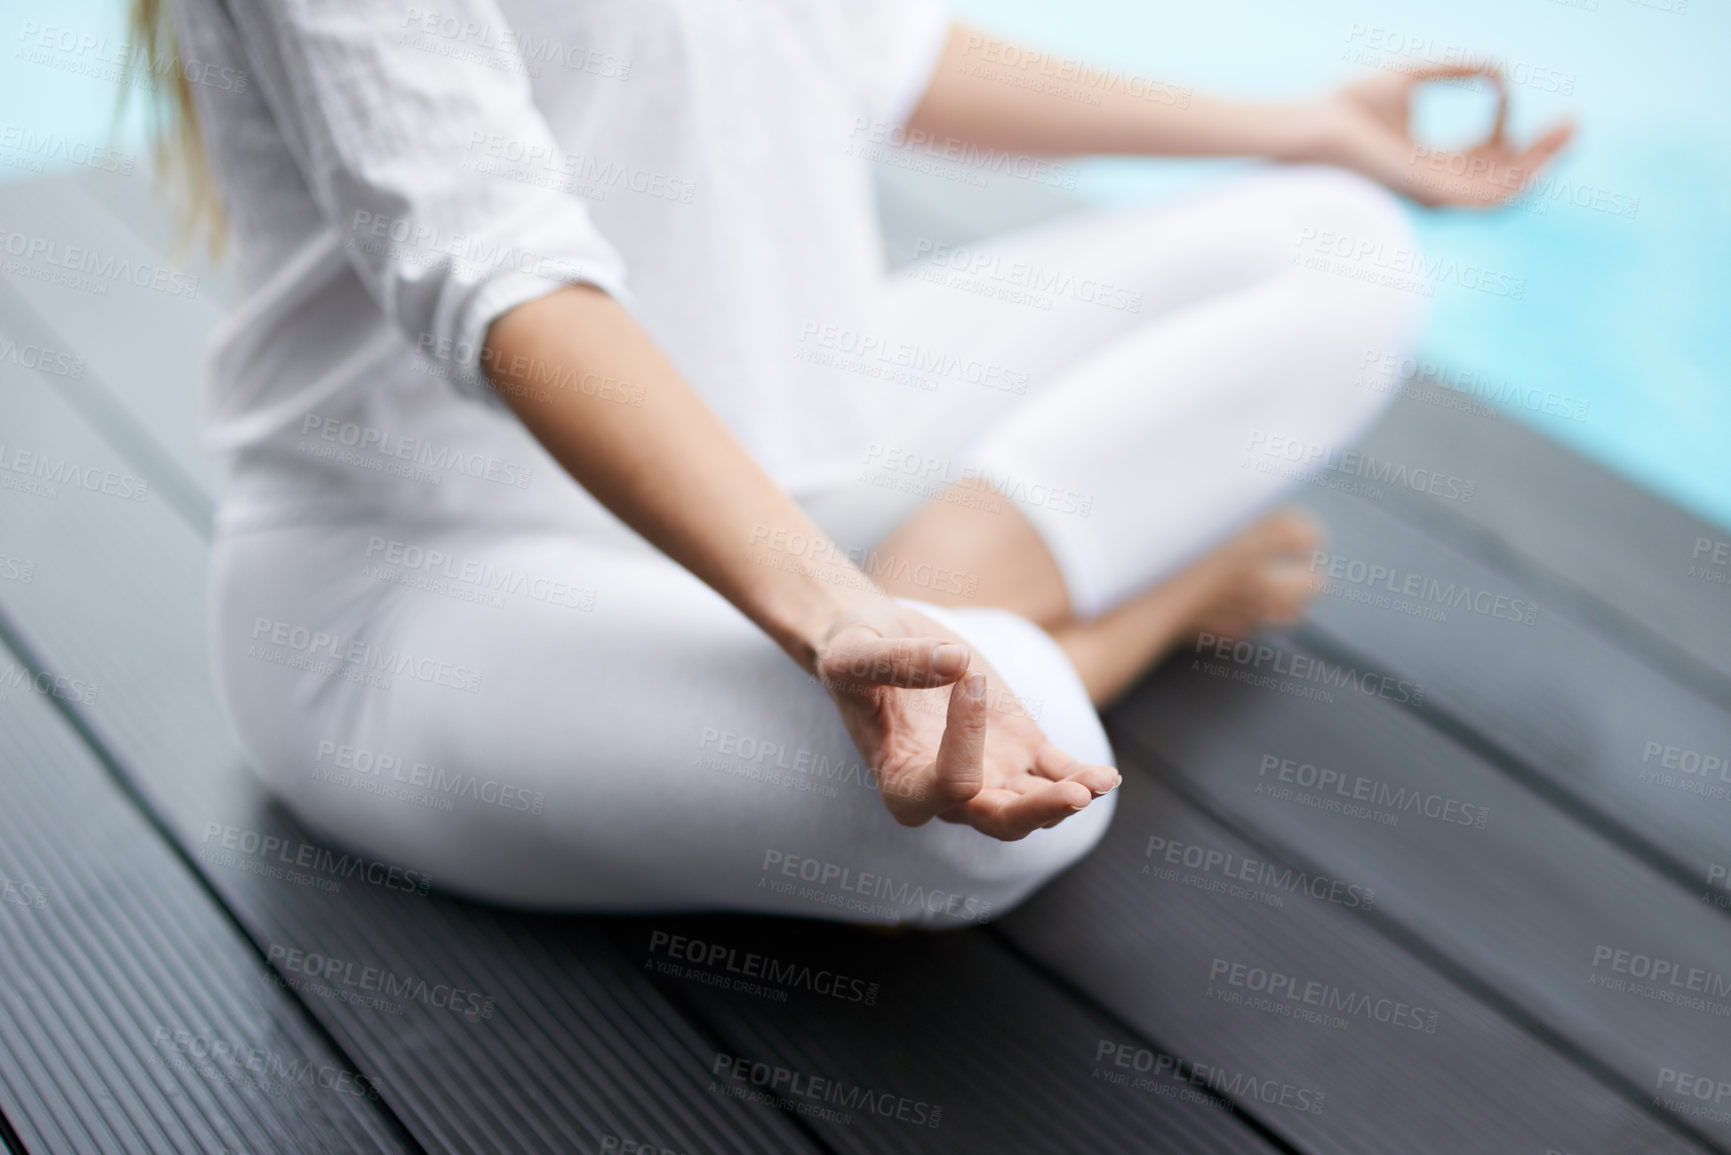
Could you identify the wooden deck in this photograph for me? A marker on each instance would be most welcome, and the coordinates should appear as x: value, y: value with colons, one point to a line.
x: 1425, y: 875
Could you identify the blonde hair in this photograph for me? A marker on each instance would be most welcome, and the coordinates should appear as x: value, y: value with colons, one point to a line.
x: 176, y: 146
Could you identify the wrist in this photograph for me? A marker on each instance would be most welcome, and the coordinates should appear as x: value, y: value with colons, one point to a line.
x: 804, y: 619
x: 1314, y: 133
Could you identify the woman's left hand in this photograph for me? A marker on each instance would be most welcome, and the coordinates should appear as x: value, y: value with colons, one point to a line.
x: 1366, y: 127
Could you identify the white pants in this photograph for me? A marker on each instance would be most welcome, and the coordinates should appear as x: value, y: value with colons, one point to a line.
x: 551, y: 714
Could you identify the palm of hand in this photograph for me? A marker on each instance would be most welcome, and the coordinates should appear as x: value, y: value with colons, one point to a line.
x: 963, y: 752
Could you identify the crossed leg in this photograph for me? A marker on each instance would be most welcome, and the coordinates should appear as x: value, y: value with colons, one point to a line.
x: 1259, y: 576
x: 1151, y: 419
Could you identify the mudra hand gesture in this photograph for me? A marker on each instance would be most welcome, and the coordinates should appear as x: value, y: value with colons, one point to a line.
x: 1366, y: 126
x: 943, y: 733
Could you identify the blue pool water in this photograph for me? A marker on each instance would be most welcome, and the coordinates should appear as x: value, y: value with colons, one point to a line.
x: 1624, y: 316
x: 1630, y: 315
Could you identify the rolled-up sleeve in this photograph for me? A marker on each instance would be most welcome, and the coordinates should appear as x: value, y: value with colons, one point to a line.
x: 391, y: 129
x: 898, y: 43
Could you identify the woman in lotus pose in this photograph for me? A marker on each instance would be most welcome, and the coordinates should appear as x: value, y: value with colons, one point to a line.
x: 605, y: 529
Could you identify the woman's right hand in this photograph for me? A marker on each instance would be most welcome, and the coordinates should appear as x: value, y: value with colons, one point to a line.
x: 967, y: 753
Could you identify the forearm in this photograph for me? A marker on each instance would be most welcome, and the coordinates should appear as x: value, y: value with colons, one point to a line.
x: 669, y: 468
x: 1000, y: 96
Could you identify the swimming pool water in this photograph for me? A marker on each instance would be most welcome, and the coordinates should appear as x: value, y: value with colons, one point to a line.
x: 1621, y: 336
x: 1628, y: 316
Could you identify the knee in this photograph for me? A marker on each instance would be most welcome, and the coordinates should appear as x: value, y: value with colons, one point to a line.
x: 1349, y: 208
x: 1354, y: 244
x: 993, y: 876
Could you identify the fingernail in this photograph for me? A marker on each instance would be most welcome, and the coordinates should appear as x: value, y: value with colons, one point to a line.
x: 1117, y: 780
x: 949, y: 658
x: 975, y: 684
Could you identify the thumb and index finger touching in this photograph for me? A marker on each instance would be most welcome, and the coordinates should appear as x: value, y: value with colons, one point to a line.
x: 1536, y: 154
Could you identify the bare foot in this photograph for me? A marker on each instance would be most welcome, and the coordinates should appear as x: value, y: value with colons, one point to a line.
x: 1260, y: 577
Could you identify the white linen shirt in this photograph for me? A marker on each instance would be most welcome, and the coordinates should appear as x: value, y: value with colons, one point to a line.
x: 398, y: 175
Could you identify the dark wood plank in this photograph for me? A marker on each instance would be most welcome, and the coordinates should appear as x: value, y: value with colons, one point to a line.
x: 1632, y: 561
x: 1407, y: 1059
x: 1530, y: 911
x: 579, y: 1046
x: 1552, y: 699
x: 134, y: 1015
x: 960, y: 1046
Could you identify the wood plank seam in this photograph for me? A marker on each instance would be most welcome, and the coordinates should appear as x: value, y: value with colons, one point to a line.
x: 712, y: 1035
x: 1420, y: 947
x: 1518, y: 769
x: 1243, y: 1112
x: 9, y: 1140
x: 1587, y: 608
x: 11, y: 638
